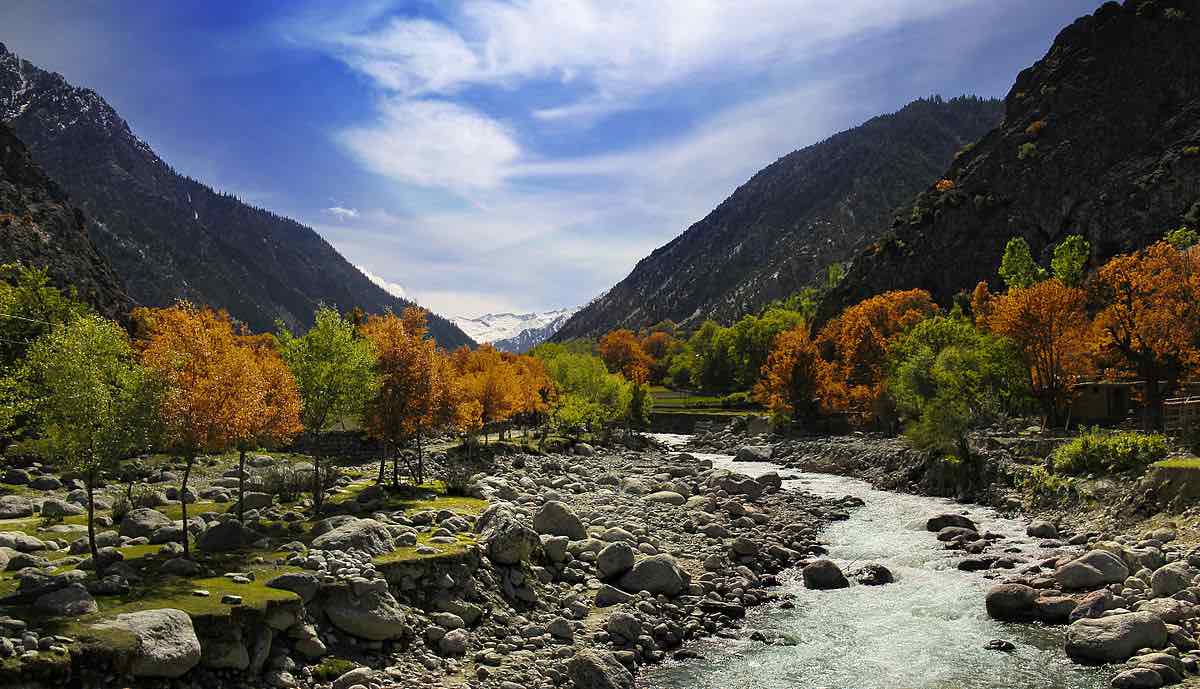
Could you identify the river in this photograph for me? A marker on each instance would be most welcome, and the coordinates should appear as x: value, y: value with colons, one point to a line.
x: 925, y: 631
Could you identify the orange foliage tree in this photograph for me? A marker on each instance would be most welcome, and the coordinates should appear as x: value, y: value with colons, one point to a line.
x: 1150, y: 316
x: 1048, y: 321
x: 490, y: 381
x: 622, y: 353
x: 418, y: 393
x: 213, y: 383
x: 790, y: 375
x: 854, y: 348
x: 535, y: 390
x: 275, y: 417
x: 659, y: 346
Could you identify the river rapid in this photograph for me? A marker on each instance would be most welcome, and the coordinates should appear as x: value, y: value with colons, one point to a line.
x: 925, y: 631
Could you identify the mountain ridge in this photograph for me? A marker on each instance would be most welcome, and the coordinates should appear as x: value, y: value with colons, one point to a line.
x: 515, y: 332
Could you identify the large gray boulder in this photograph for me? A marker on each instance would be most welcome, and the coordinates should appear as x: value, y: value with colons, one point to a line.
x: 1114, y: 639
x: 940, y: 521
x: 556, y: 519
x: 164, y: 642
x: 365, y: 535
x: 375, y: 615
x: 736, y: 484
x: 1011, y: 602
x: 1093, y: 569
x: 254, y: 501
x: 655, y: 575
x: 225, y: 536
x: 615, y: 560
x: 71, y: 601
x: 753, y: 453
x: 143, y: 522
x: 823, y: 575
x: 1172, y: 578
x: 15, y: 507
x: 53, y: 508
x: 594, y: 669
x: 505, y: 537
x: 303, y: 584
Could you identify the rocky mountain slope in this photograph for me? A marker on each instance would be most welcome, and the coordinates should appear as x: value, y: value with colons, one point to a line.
x: 513, y: 332
x: 1101, y: 137
x: 776, y: 233
x: 172, y: 237
x: 38, y: 226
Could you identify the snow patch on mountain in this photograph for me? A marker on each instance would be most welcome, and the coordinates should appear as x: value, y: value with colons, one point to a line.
x: 515, y: 332
x: 392, y: 288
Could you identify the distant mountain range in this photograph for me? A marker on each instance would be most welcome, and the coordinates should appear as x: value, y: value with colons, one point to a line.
x: 513, y: 332
x: 777, y: 232
x: 169, y: 237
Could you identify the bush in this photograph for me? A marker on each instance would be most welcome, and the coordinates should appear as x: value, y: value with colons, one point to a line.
x: 284, y: 482
x: 1027, y: 150
x: 1098, y: 452
x: 737, y: 400
x: 1045, y: 488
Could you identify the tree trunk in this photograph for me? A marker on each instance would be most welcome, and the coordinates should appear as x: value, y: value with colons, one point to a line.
x: 91, y: 517
x: 242, y: 485
x: 187, y: 472
x: 420, y: 458
x: 318, y: 485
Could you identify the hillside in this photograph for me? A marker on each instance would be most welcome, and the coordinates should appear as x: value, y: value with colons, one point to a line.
x: 168, y: 236
x: 1101, y: 137
x: 38, y: 226
x: 776, y: 233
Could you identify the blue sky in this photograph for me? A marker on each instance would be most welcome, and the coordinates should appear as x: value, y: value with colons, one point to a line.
x: 487, y: 155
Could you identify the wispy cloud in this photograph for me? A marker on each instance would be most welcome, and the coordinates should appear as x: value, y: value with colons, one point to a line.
x: 342, y: 212
x: 392, y: 288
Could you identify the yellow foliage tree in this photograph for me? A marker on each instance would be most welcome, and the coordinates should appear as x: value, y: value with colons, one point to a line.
x: 622, y: 353
x: 491, y: 381
x: 275, y: 417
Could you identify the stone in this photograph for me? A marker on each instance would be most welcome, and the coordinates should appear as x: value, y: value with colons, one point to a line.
x: 1172, y: 578
x: 180, y: 566
x: 1092, y: 605
x: 655, y: 575
x: 365, y: 535
x: 940, y: 521
x: 753, y: 453
x: 53, y: 508
x: 1169, y: 610
x: 584, y: 450
x: 15, y: 507
x: 165, y: 643
x: 873, y: 575
x: 624, y: 626
x: 1011, y: 602
x: 225, y: 536
x: 560, y: 628
x: 557, y: 519
x: 71, y: 601
x: 143, y: 522
x: 608, y: 596
x: 454, y: 643
x: 1055, y: 609
x: 504, y: 537
x: 615, y: 560
x: 1092, y: 570
x: 595, y: 669
x: 1137, y: 678
x: 1000, y: 645
x: 303, y: 584
x: 823, y: 575
x: 254, y: 501
x: 375, y: 615
x: 1041, y: 529
x: 737, y: 484
x: 45, y: 483
x: 668, y: 497
x: 359, y: 676
x: 1114, y: 639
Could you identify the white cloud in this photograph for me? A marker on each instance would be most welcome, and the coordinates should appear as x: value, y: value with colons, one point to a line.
x: 342, y: 212
x: 392, y: 288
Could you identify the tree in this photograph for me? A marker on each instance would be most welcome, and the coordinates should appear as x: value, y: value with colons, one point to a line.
x: 622, y: 353
x: 855, y: 347
x: 641, y: 404
x: 1149, y: 318
x: 491, y: 380
x: 334, y: 370
x: 211, y: 384
x: 274, y: 417
x: 587, y: 395
x: 752, y: 338
x: 713, y: 367
x: 1048, y: 322
x: 789, y: 377
x: 1070, y: 260
x: 535, y: 389
x: 94, y: 403
x: 1017, y: 267
x: 660, y: 346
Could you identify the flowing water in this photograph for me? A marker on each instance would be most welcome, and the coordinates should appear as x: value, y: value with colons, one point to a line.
x: 925, y: 631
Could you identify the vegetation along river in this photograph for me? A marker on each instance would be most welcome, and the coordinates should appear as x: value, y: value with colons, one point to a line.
x: 925, y: 631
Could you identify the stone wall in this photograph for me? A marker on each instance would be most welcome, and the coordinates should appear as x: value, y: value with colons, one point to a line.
x: 351, y: 445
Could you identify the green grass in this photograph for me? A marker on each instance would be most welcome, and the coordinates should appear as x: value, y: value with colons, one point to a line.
x: 410, y: 554
x: 402, y: 500
x: 1179, y: 463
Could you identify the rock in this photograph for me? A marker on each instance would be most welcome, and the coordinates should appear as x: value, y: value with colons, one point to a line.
x: 940, y: 521
x: 504, y: 537
x: 180, y: 566
x: 560, y: 628
x: 1114, y: 639
x: 365, y: 535
x: 165, y: 643
x: 1168, y: 610
x: 359, y: 676
x: 609, y: 596
x: 454, y: 643
x: 45, y: 483
x: 753, y: 453
x: 71, y: 601
x: 226, y: 536
x: 668, y: 497
x: 556, y: 519
x: 555, y: 548
x: 999, y: 645
x: 302, y: 584
x: 1094, y: 569
x: 823, y: 575
x: 53, y: 508
x: 953, y: 533
x: 614, y: 560
x: 143, y: 522
x: 254, y: 501
x: 1172, y: 578
x: 594, y: 669
x: 1011, y: 602
x: 736, y: 484
x: 375, y: 615
x: 15, y: 507
x: 655, y: 575
x: 1137, y: 678
x: 873, y: 575
x: 1041, y: 529
x: 1055, y: 609
x: 1093, y: 605
x: 624, y: 626
x: 584, y: 450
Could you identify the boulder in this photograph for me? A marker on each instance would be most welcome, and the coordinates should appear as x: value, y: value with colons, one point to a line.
x: 45, y: 482
x: 940, y: 521
x: 823, y: 575
x: 1169, y: 610
x: 364, y: 535
x: 15, y: 507
x: 1041, y: 529
x: 584, y: 450
x: 615, y: 560
x: 1011, y: 602
x: 70, y: 601
x: 736, y: 484
x: 753, y: 453
x: 53, y: 508
x: 1137, y: 678
x: 556, y: 519
x: 143, y: 522
x: 226, y: 536
x: 873, y: 575
x: 595, y: 669
x: 668, y: 497
x: 609, y: 596
x: 655, y: 575
x: 1114, y: 639
x: 1172, y: 578
x: 1092, y: 570
x: 165, y: 643
x: 303, y: 584
x: 254, y: 501
x: 375, y: 615
x: 505, y: 538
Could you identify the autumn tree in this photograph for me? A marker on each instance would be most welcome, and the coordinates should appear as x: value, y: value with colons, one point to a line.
x: 1017, y: 267
x: 789, y: 377
x: 855, y: 346
x: 1049, y: 324
x: 660, y: 345
x: 334, y: 372
x: 622, y: 353
x: 1150, y: 316
x: 94, y: 403
x: 211, y: 384
x: 536, y: 391
x: 490, y: 380
x: 752, y: 338
x: 273, y: 418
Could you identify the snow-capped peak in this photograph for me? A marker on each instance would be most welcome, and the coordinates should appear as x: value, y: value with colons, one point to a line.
x: 493, y: 327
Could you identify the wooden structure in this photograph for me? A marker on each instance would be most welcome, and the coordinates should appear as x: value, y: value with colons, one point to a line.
x: 1101, y: 403
x: 1181, y: 415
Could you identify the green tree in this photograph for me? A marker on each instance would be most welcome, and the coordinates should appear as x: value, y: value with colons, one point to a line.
x: 1183, y: 238
x: 751, y: 339
x: 1070, y: 260
x: 1017, y: 267
x: 589, y: 397
x: 641, y: 404
x: 94, y: 403
x: 334, y: 370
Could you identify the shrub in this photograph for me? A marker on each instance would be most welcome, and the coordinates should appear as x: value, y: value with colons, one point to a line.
x: 737, y: 400
x: 944, y: 184
x: 284, y: 482
x: 1045, y: 488
x: 1097, y: 451
x: 1026, y: 151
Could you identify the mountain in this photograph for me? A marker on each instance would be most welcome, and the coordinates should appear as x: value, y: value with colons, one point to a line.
x: 777, y: 232
x: 512, y: 332
x: 1101, y: 137
x: 170, y: 237
x: 38, y: 226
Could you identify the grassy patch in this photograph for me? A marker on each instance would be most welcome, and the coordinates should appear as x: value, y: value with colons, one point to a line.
x: 410, y: 554
x: 403, y: 499
x: 331, y: 668
x: 1179, y: 463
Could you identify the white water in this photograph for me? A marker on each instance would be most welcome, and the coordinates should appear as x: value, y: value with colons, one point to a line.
x: 925, y: 631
